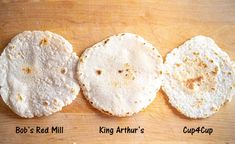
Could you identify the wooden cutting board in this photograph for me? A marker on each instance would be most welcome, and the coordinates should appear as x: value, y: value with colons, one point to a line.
x: 166, y: 24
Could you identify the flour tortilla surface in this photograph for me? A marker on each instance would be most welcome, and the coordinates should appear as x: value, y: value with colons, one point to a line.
x: 199, y: 77
x: 38, y: 71
x: 121, y: 75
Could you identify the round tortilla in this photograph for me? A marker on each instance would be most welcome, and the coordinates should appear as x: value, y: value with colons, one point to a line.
x: 198, y: 77
x: 121, y: 75
x: 38, y: 71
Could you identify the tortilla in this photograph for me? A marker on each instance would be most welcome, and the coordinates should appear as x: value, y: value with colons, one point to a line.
x: 38, y: 71
x: 121, y: 75
x: 198, y: 77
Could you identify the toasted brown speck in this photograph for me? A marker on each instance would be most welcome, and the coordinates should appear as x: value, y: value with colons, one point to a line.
x: 190, y: 82
x: 63, y: 70
x: 81, y: 60
x: 198, y: 103
x: 213, y: 108
x: 106, y: 41
x: 119, y: 71
x: 177, y: 65
x: 45, y: 103
x: 98, y: 72
x: 195, y: 53
x: 72, y: 90
x: 215, y: 71
x: 27, y: 70
x: 202, y: 64
x: 19, y: 97
x: 107, y: 112
x: 54, y: 101
x: 43, y: 42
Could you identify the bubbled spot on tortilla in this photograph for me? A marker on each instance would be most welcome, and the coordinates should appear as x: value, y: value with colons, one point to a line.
x: 27, y: 70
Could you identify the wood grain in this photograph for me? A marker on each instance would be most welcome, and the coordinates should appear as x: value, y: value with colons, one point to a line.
x: 166, y: 24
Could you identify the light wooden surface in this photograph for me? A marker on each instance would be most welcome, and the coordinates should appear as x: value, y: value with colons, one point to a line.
x: 166, y: 24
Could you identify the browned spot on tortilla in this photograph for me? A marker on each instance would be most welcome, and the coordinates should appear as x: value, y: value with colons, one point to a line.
x: 177, y: 65
x: 198, y: 103
x: 81, y: 60
x: 215, y: 71
x: 63, y: 70
x: 158, y: 56
x: 185, y: 59
x: 72, y: 90
x: 43, y: 42
x: 27, y: 70
x: 119, y: 71
x: 215, y: 53
x: 160, y: 72
x: 12, y: 46
x: 106, y: 41
x: 107, y: 112
x: 54, y: 101
x: 229, y: 73
x: 45, y: 103
x: 213, y: 108
x: 190, y: 82
x: 212, y: 88
x: 195, y: 53
x: 211, y: 61
x: 19, y: 97
x: 202, y: 64
x: 98, y: 72
x: 136, y: 102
